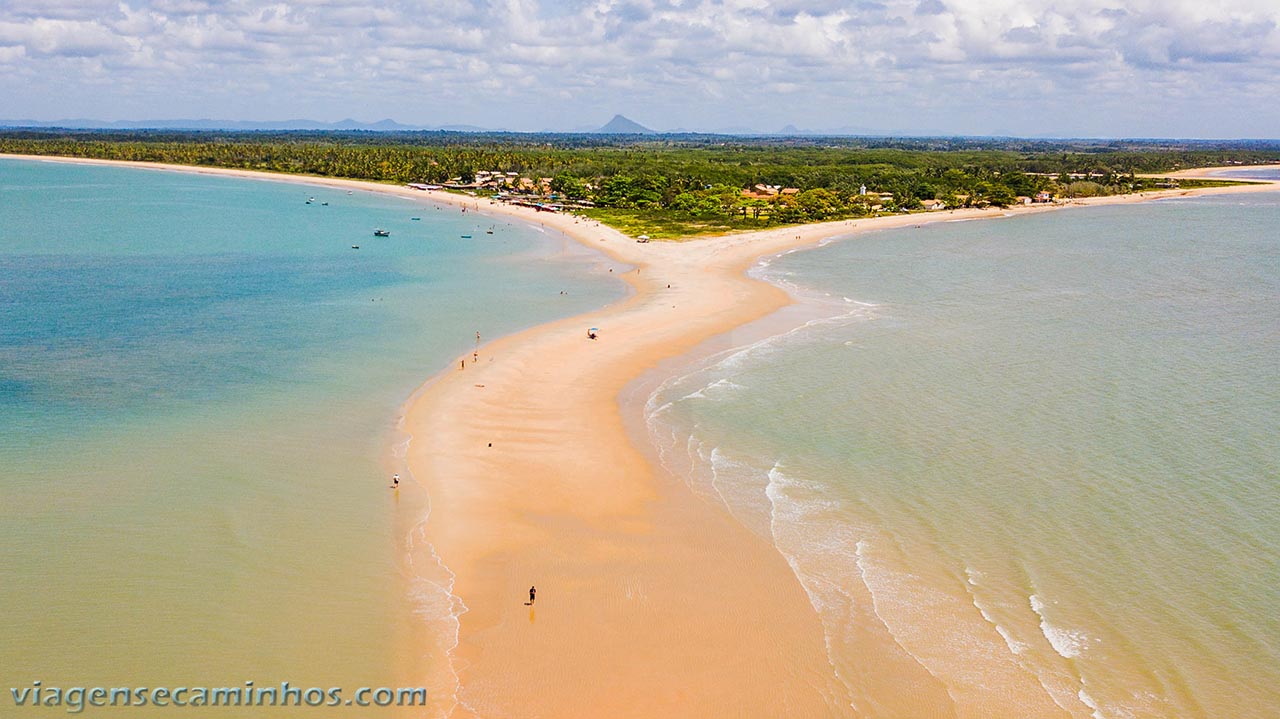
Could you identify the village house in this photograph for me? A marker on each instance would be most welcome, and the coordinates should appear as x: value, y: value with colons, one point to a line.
x: 491, y: 178
x: 761, y: 192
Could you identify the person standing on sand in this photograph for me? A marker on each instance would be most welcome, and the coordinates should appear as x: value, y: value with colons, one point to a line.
x: 533, y: 593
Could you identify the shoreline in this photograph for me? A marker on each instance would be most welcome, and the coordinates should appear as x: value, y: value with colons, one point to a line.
x: 1216, y: 173
x: 564, y: 222
x: 639, y: 612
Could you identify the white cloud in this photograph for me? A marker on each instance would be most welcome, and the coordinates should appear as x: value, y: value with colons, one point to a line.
x: 45, y: 37
x: 690, y: 62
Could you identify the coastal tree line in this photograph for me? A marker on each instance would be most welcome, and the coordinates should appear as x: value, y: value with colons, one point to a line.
x: 685, y: 183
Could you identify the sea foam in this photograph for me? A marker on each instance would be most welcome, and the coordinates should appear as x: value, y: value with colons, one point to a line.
x: 1067, y: 643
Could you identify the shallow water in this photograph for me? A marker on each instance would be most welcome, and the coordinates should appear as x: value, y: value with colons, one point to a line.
x: 199, y: 378
x: 1034, y: 456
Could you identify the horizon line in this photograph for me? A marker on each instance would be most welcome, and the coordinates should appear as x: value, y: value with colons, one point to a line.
x: 467, y: 129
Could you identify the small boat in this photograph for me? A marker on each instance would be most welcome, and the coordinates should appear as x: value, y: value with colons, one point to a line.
x: 489, y: 231
x: 382, y: 233
x: 355, y: 247
x: 415, y: 219
x: 466, y: 237
x: 324, y: 204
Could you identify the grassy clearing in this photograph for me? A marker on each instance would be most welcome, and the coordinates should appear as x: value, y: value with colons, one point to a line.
x: 1191, y: 184
x: 667, y: 225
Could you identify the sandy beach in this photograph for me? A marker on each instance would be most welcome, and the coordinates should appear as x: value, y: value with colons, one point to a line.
x: 651, y: 601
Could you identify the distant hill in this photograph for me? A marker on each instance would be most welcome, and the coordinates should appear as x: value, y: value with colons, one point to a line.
x: 620, y: 125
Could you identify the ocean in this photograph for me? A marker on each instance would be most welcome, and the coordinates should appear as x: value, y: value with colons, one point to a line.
x: 200, y: 379
x: 1022, y: 467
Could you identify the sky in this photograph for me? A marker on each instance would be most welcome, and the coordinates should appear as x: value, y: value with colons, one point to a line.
x: 1070, y: 68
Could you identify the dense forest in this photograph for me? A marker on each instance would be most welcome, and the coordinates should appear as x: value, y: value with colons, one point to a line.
x: 677, y: 184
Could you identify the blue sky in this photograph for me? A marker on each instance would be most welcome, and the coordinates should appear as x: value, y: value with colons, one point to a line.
x: 1099, y: 68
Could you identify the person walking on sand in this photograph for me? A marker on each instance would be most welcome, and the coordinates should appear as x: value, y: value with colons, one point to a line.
x: 533, y: 594
x: 395, y: 481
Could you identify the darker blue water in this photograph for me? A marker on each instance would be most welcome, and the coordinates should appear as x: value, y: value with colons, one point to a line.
x: 105, y: 335
x: 125, y: 293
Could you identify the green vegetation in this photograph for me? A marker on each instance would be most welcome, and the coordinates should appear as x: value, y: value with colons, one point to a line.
x: 680, y: 185
x: 1191, y: 184
x: 663, y: 225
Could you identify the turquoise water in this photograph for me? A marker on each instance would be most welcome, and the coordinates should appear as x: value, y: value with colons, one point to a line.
x: 1031, y: 452
x: 199, y: 383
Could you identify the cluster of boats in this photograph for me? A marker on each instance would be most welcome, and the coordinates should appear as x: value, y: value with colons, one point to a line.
x: 379, y: 232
